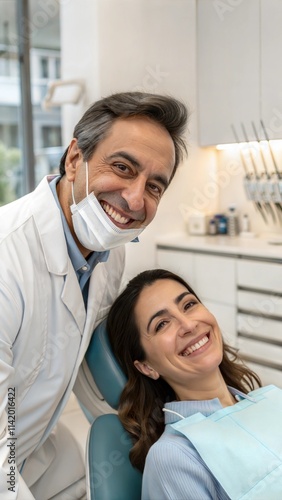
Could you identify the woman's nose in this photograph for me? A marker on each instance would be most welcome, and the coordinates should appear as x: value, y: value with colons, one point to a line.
x: 186, y: 325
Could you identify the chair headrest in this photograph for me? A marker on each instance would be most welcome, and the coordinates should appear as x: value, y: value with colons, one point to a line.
x: 104, y: 367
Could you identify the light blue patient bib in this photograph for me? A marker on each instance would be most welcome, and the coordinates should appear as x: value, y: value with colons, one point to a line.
x: 242, y: 444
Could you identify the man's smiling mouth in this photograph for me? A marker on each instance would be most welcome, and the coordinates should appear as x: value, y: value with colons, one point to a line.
x: 189, y: 350
x: 111, y: 212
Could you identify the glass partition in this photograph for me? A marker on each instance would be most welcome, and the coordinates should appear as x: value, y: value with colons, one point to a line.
x: 43, y: 28
x: 45, y: 65
x: 11, y: 168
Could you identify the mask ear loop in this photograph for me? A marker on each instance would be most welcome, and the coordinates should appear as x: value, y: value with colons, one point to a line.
x: 86, y: 184
x: 72, y: 193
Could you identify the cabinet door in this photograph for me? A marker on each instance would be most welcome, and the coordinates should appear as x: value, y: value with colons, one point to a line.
x: 215, y: 278
x: 259, y: 275
x: 259, y: 327
x: 181, y: 263
x: 268, y: 375
x: 255, y: 350
x: 228, y: 59
x: 271, y: 69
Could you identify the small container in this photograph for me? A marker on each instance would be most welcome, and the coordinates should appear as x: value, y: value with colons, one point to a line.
x: 222, y: 225
x: 212, y: 226
x: 232, y: 222
x: 245, y: 223
x: 197, y: 224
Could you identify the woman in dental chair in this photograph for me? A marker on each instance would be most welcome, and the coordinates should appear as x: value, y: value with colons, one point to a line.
x: 202, y: 426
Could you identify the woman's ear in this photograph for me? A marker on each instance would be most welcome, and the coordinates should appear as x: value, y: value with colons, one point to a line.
x: 146, y: 369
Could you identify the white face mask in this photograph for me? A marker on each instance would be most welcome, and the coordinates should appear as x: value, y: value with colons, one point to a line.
x: 92, y: 226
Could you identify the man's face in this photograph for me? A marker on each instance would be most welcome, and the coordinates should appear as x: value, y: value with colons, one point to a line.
x: 129, y: 171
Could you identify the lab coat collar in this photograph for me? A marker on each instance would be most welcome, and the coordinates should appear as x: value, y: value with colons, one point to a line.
x: 49, y: 223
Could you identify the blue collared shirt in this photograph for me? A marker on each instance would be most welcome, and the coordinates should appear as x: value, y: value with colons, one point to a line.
x: 83, y: 268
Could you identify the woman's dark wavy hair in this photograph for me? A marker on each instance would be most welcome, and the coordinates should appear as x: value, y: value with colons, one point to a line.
x: 96, y: 122
x: 142, y: 399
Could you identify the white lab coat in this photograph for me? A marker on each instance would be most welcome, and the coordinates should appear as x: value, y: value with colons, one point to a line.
x: 44, y: 329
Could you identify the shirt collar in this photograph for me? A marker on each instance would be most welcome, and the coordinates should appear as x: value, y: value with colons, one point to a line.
x: 76, y: 257
x: 189, y: 408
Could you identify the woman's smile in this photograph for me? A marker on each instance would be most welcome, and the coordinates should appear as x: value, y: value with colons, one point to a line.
x: 197, y: 347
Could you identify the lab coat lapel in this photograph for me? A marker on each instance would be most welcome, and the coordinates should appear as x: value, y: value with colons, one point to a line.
x: 97, y: 288
x: 72, y: 298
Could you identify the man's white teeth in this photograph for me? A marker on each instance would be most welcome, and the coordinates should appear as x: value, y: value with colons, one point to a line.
x: 196, y: 346
x: 114, y: 215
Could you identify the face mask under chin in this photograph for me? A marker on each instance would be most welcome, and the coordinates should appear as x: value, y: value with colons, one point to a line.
x: 94, y: 229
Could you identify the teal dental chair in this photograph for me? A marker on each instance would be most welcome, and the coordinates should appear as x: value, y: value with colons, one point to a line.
x: 111, y: 475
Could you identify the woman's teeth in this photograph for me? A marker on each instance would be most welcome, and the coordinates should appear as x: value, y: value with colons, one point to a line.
x: 195, y: 347
x: 113, y: 214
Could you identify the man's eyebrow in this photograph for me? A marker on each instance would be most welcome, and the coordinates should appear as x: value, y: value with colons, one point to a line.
x: 126, y: 156
x: 123, y: 154
x: 177, y: 300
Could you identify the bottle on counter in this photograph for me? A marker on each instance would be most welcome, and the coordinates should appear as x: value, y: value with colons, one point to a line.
x: 222, y: 224
x: 245, y: 223
x: 212, y: 229
x: 232, y: 222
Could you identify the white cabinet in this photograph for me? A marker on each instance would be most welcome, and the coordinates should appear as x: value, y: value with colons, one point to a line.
x: 259, y: 318
x: 239, y: 71
x: 228, y: 69
x: 178, y: 262
x: 215, y: 278
x: 260, y: 275
x: 271, y: 73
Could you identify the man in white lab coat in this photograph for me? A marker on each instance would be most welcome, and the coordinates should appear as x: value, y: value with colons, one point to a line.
x: 61, y: 264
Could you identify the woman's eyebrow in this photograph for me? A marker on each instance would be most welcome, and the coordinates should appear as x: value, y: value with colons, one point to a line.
x: 181, y: 296
x: 158, y: 313
x: 177, y: 300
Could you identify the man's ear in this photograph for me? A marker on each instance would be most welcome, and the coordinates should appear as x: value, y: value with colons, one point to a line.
x: 146, y: 369
x: 73, y: 159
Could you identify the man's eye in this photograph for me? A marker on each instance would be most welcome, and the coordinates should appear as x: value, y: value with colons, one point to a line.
x: 121, y: 166
x: 156, y: 189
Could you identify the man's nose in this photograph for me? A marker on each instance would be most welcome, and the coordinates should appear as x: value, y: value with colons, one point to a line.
x: 134, y: 194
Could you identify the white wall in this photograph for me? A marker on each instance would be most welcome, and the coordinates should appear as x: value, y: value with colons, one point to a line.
x: 150, y: 45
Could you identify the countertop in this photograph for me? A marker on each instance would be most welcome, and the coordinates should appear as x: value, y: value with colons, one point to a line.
x: 259, y: 247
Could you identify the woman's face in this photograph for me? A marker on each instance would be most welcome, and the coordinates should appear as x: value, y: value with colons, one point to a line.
x: 181, y: 338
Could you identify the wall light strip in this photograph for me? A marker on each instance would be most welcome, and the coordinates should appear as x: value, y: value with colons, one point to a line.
x: 221, y: 147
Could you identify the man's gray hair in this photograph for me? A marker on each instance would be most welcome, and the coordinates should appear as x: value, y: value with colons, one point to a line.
x: 98, y: 119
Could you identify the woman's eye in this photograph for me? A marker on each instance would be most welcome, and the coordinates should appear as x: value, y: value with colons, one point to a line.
x: 160, y: 325
x: 189, y: 304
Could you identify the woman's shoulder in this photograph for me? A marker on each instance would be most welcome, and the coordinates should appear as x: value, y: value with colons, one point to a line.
x: 171, y: 447
x: 174, y: 469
